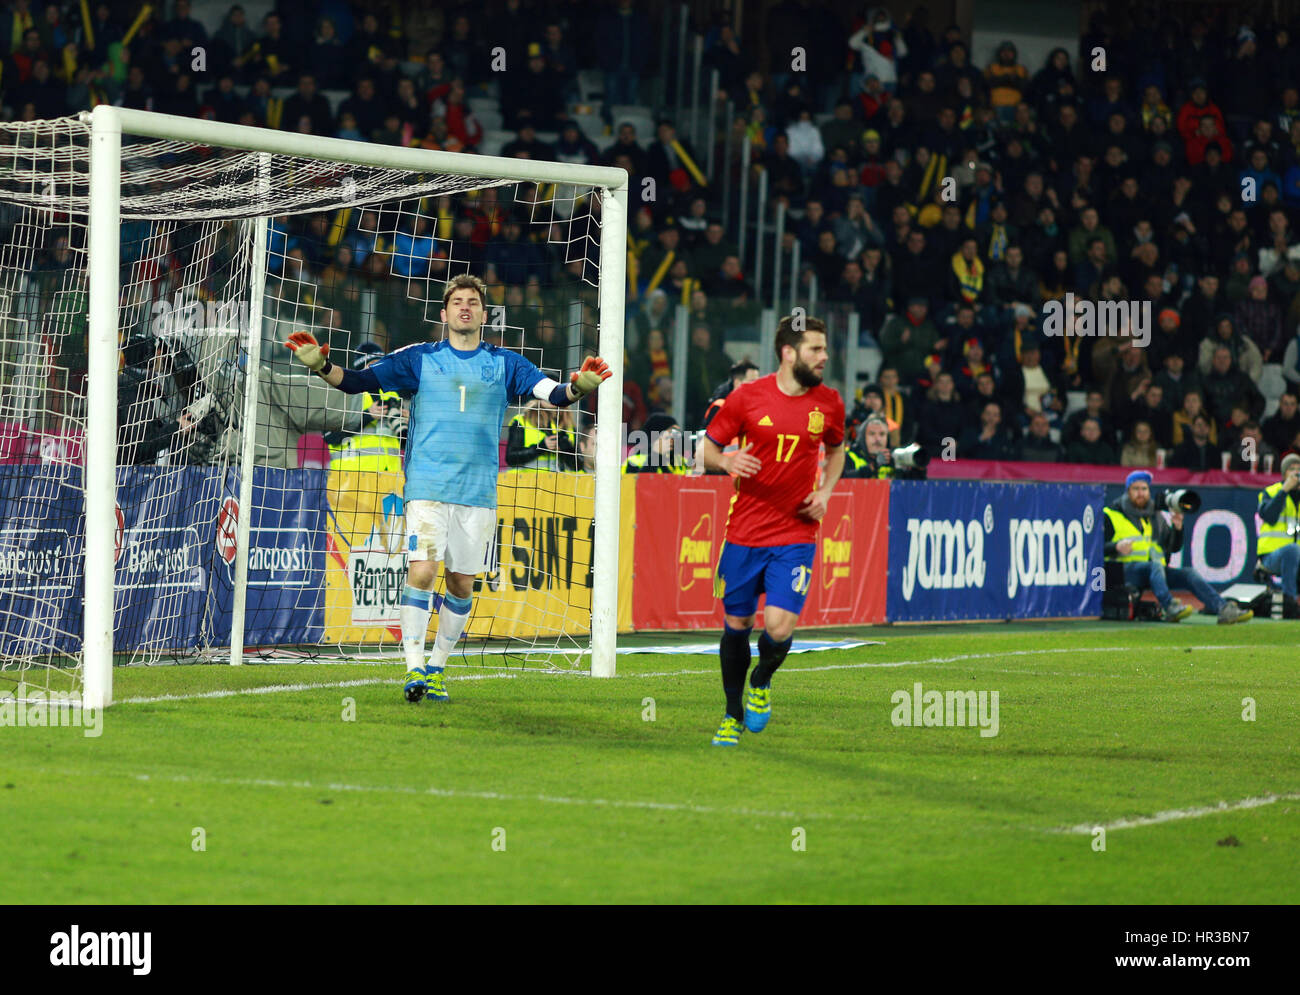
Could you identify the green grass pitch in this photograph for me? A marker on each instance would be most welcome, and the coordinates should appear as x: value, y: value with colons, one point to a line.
x: 535, y: 787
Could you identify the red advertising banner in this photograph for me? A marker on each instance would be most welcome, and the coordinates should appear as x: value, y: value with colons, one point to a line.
x: 680, y: 523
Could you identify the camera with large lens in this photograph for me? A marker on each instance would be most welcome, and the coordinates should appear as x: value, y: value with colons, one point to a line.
x: 1184, y: 500
x: 911, y: 457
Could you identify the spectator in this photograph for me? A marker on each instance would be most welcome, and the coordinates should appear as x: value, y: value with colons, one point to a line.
x: 1196, y: 452
x: 533, y: 96
x: 706, y: 367
x: 274, y: 54
x: 908, y: 338
x: 1260, y: 321
x: 1245, y: 354
x: 1007, y: 81
x: 942, y: 416
x: 1252, y: 452
x: 528, y: 146
x: 365, y: 107
x: 1089, y: 447
x: 1192, y: 405
x: 307, y: 102
x: 1037, y: 445
x: 464, y: 52
x: 1028, y: 388
x: 626, y: 144
x: 1140, y: 450
x: 574, y: 146
x: 462, y: 124
x: 672, y: 163
x: 326, y: 59
x: 989, y: 440
x: 1280, y: 428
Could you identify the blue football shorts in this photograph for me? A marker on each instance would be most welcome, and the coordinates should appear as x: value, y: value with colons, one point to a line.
x: 783, y: 573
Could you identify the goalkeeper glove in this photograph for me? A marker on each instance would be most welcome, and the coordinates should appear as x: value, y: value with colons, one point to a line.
x: 308, y: 351
x: 594, y: 371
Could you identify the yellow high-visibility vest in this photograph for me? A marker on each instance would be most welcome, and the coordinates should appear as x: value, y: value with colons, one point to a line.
x: 533, y: 436
x: 382, y: 453
x: 1143, y: 544
x: 640, y: 460
x: 1285, y: 530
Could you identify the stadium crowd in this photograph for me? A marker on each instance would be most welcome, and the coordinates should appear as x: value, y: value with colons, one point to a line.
x: 1170, y: 178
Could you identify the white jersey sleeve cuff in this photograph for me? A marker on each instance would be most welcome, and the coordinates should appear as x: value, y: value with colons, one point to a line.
x: 544, y: 388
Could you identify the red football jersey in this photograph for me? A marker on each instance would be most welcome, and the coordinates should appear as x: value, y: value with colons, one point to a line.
x: 786, y: 433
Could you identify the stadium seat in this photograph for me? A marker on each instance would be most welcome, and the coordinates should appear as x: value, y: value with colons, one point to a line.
x: 591, y: 84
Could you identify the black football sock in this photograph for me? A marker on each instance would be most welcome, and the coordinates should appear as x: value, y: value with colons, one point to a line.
x: 770, y: 656
x: 734, y: 651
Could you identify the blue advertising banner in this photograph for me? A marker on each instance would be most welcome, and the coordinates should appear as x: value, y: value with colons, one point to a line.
x: 174, y: 551
x: 286, y: 561
x: 1219, y: 540
x: 984, y: 550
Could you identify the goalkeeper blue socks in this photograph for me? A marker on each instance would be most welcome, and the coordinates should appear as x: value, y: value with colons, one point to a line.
x: 414, y: 615
x: 452, y: 619
x: 771, y: 655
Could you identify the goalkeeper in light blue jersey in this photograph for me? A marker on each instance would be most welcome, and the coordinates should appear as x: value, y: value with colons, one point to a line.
x: 460, y: 388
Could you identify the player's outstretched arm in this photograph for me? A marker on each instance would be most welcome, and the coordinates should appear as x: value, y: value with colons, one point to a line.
x: 315, y: 357
x: 594, y: 372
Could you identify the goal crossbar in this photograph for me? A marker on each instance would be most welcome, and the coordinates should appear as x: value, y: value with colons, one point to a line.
x: 107, y: 126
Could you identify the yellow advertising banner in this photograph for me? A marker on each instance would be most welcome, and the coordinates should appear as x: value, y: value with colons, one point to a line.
x: 539, y: 579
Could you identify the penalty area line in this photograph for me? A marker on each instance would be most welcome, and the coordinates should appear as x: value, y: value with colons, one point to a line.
x: 496, y: 796
x: 1177, y: 814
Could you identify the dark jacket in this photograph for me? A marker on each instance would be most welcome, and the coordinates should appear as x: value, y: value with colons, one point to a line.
x: 1189, y: 456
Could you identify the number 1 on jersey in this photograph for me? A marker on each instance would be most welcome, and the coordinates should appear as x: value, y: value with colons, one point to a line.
x: 462, y: 397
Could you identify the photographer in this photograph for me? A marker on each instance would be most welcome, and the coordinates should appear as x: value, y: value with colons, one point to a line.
x: 1138, y: 537
x: 153, y: 389
x: 870, y: 456
x: 1278, y: 543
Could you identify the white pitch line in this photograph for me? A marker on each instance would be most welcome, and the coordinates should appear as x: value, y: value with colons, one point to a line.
x: 932, y: 661
x: 278, y: 688
x: 1175, y: 814
x: 500, y: 797
x: 960, y: 658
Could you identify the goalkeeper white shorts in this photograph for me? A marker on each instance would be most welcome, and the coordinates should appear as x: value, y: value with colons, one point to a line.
x: 457, y: 535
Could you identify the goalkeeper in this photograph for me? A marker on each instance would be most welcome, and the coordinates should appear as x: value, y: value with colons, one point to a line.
x: 461, y: 388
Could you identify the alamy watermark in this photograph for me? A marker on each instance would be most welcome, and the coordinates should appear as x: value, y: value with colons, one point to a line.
x: 179, y: 318
x: 37, y: 708
x: 1097, y: 319
x: 921, y: 708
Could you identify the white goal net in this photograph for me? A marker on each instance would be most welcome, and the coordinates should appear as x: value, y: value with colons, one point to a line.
x: 255, y: 512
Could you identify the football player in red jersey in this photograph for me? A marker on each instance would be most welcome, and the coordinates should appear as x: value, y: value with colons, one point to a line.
x: 781, y: 420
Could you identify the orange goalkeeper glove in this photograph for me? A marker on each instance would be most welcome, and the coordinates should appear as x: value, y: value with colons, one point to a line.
x: 594, y: 371
x: 308, y: 351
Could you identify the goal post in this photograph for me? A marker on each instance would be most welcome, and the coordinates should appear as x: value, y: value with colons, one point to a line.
x: 104, y: 219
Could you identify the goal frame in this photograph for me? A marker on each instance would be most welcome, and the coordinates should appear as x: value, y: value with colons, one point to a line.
x: 107, y: 125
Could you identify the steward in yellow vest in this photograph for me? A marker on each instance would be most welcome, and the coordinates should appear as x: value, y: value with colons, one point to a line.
x: 526, y: 440
x: 379, y: 447
x: 659, y: 448
x: 1278, y: 543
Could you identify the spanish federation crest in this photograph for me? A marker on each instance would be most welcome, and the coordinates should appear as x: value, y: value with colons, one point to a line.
x: 816, y: 422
